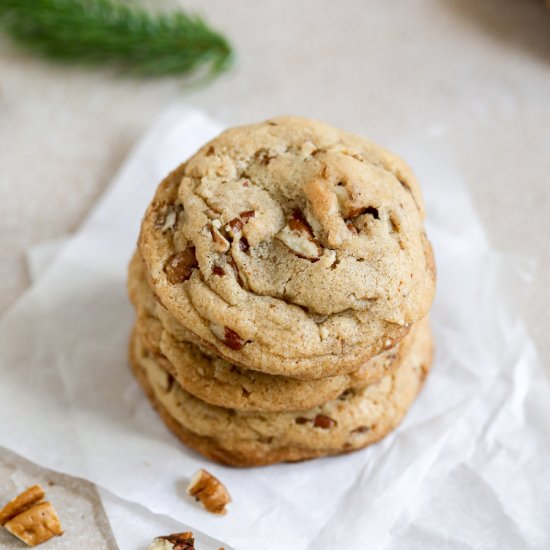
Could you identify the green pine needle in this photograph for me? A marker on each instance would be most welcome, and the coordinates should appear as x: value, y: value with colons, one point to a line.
x: 97, y: 31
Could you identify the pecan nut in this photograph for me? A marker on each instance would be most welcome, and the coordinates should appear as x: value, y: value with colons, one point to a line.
x: 210, y: 491
x: 28, y: 498
x: 298, y: 236
x: 324, y: 422
x: 229, y: 337
x: 179, y: 266
x: 175, y: 541
x: 36, y: 524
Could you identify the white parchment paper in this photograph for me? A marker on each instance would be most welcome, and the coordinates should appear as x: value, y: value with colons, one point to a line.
x: 132, y: 525
x: 469, y: 467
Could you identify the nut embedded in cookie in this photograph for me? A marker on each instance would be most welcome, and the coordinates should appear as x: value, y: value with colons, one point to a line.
x: 179, y: 266
x: 210, y: 491
x: 321, y: 227
x: 298, y: 237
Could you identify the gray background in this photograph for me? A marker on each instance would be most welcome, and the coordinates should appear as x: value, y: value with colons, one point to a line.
x: 474, y: 72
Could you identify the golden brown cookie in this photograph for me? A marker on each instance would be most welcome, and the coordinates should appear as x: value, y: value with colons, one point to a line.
x: 291, y: 248
x: 358, y: 418
x: 218, y: 382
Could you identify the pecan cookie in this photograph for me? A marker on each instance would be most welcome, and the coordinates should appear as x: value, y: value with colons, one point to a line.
x: 358, y: 418
x: 218, y: 382
x: 290, y: 247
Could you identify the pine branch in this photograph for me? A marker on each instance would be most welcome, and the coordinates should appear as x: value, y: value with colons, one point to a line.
x: 99, y: 31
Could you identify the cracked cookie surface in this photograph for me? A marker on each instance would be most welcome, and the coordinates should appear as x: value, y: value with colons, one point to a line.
x: 218, y: 382
x: 291, y: 247
x: 240, y: 438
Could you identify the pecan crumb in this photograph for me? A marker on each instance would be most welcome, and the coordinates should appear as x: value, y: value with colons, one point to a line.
x: 302, y: 420
x: 179, y: 266
x: 236, y: 225
x: 389, y: 343
x: 297, y: 222
x: 229, y: 337
x: 210, y: 491
x: 167, y: 217
x: 360, y: 430
x: 233, y: 340
x: 245, y: 216
x: 217, y: 270
x: 324, y: 422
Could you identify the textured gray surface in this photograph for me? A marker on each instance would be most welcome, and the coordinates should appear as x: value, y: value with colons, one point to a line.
x: 476, y: 73
x: 75, y: 501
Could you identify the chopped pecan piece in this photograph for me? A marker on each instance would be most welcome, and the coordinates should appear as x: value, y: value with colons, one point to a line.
x: 220, y: 242
x: 236, y: 225
x: 229, y: 337
x: 179, y: 266
x: 233, y: 340
x: 297, y: 222
x: 245, y: 216
x: 298, y: 236
x: 175, y: 541
x: 36, y: 524
x: 28, y: 498
x: 360, y: 430
x: 323, y: 421
x: 389, y: 343
x: 218, y: 270
x: 167, y: 217
x: 210, y: 491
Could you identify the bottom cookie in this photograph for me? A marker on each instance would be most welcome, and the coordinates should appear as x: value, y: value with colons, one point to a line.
x: 359, y: 417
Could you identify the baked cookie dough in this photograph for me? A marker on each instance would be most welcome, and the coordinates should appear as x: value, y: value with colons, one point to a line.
x: 291, y: 248
x: 359, y: 417
x: 218, y: 382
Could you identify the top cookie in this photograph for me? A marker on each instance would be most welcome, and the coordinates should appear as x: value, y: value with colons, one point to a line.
x: 291, y: 248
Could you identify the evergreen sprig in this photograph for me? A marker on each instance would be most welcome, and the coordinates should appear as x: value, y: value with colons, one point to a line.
x: 97, y: 31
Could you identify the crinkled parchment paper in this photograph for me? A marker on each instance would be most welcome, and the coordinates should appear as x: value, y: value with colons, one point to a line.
x: 468, y: 468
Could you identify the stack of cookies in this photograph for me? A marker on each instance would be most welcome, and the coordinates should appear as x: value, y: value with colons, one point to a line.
x: 282, y: 284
